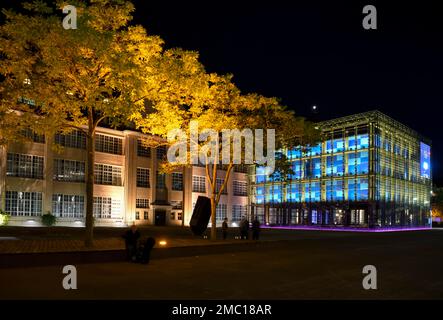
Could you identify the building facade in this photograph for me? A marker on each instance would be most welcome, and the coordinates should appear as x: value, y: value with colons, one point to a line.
x: 368, y: 171
x: 38, y: 177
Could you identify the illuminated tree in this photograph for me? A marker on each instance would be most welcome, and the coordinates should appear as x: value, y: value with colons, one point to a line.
x: 109, y: 72
x: 102, y: 72
x: 214, y: 102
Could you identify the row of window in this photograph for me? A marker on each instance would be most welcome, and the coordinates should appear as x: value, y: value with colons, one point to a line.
x: 172, y: 216
x: 143, y: 179
x: 35, y: 137
x: 238, y: 212
x: 357, y: 163
x: 77, y: 139
x: 29, y: 166
x: 354, y: 189
x: 199, y: 185
x: 103, y: 143
x: 357, y: 142
x: 73, y: 206
x: 29, y: 204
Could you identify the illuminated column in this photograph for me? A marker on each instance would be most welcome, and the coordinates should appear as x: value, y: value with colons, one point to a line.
x: 130, y: 176
x: 2, y: 177
x: 187, y: 190
x: 48, y: 175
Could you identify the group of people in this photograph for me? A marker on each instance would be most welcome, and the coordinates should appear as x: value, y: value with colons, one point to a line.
x: 140, y: 251
x: 244, y: 229
x: 137, y: 250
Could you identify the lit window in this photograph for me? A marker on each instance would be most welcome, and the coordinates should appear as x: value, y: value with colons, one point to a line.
x: 198, y: 184
x: 240, y: 188
x: 24, y: 166
x: 108, y: 144
x: 28, y: 204
x: 142, y: 149
x: 143, y: 179
x: 142, y: 203
x: 177, y: 181
x: 69, y: 170
x: 68, y: 206
x: 108, y: 175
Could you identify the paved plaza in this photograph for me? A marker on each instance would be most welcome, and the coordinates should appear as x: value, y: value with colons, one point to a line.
x: 284, y: 265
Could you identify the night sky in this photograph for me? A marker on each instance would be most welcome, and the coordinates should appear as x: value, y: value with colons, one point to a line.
x: 317, y: 53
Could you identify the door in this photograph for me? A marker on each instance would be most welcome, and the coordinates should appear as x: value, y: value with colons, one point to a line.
x: 160, y: 217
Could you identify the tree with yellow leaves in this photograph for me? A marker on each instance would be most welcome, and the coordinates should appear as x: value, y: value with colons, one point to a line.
x: 214, y: 103
x: 103, y: 72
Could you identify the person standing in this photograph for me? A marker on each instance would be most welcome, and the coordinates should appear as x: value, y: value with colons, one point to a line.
x: 244, y: 229
x: 145, y: 250
x: 255, y: 229
x: 131, y: 241
x: 225, y: 228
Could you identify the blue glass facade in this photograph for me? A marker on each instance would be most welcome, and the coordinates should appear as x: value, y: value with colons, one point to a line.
x: 367, y: 171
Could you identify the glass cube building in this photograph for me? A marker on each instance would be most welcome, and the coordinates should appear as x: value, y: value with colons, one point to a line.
x: 368, y: 172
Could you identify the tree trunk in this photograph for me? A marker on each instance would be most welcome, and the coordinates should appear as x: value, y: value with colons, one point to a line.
x: 183, y: 195
x: 89, y: 223
x: 213, y: 218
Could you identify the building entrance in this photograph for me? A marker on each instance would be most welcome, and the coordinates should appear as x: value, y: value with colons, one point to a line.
x: 160, y: 217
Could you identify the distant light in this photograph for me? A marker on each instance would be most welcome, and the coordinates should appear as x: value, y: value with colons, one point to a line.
x: 163, y: 243
x: 314, y: 107
x: 78, y: 223
x: 235, y: 224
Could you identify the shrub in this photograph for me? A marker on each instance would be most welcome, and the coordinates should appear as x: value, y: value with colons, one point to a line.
x: 4, y: 218
x: 48, y: 219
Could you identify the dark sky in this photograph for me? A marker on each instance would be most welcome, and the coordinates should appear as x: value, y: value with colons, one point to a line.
x: 317, y: 53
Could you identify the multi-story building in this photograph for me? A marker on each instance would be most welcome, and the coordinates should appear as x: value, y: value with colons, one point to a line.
x: 368, y: 171
x: 38, y: 177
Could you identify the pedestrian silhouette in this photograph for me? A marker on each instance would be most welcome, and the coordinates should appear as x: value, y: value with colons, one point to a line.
x: 255, y: 229
x: 244, y: 228
x: 144, y: 251
x: 131, y: 242
x: 225, y: 228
